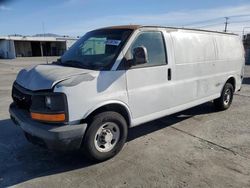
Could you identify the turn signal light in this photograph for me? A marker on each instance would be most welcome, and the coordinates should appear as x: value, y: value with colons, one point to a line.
x: 48, y: 117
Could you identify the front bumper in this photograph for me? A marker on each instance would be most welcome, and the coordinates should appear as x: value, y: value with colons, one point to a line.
x: 54, y: 137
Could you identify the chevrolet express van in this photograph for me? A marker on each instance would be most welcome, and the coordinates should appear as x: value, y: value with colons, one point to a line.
x: 119, y: 77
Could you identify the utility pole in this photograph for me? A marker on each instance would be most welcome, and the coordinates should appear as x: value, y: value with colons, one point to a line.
x: 44, y: 44
x: 226, y: 24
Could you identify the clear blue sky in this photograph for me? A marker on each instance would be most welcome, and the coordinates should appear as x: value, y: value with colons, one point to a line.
x: 75, y: 17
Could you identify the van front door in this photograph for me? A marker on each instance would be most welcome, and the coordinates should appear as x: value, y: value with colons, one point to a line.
x: 147, y: 84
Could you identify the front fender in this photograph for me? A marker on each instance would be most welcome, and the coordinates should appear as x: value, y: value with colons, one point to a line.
x: 117, y: 102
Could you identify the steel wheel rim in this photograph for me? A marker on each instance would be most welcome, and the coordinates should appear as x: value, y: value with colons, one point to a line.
x: 227, y: 96
x: 106, y: 137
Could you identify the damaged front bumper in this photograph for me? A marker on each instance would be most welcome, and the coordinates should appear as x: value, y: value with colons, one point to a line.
x: 54, y: 137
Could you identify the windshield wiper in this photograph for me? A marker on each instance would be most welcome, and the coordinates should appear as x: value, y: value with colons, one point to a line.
x: 74, y: 63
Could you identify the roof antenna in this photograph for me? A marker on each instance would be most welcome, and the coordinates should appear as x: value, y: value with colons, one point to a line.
x: 45, y: 43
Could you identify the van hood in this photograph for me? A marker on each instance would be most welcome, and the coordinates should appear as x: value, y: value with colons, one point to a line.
x: 43, y: 77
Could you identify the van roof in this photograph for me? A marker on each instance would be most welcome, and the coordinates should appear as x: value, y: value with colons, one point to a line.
x: 134, y: 27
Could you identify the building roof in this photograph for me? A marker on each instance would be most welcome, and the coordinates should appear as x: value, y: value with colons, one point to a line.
x: 36, y: 38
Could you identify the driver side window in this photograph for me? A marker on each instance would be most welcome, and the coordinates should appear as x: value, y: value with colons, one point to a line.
x: 153, y: 42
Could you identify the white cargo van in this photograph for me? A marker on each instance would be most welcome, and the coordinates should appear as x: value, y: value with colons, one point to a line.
x: 118, y: 77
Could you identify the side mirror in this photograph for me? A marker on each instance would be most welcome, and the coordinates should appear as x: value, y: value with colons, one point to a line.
x: 140, y: 55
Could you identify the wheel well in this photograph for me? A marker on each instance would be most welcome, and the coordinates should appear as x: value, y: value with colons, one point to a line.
x: 110, y: 107
x: 232, y: 81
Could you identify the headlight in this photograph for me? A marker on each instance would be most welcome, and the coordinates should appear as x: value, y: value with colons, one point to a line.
x: 49, y: 107
x: 48, y: 102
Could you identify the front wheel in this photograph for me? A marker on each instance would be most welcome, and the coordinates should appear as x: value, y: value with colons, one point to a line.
x: 226, y: 98
x: 106, y: 136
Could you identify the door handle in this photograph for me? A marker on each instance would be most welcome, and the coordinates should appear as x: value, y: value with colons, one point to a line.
x: 169, y: 74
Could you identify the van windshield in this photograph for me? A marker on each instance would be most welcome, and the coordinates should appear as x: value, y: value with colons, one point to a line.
x: 97, y: 49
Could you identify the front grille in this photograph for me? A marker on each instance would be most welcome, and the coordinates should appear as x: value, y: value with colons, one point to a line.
x: 21, y: 96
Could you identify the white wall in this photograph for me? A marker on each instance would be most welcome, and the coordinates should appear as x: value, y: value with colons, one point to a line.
x: 7, y: 49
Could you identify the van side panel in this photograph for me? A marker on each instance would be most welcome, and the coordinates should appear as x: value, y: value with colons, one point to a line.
x: 195, y: 56
x: 205, y: 61
x: 230, y: 58
x: 199, y: 70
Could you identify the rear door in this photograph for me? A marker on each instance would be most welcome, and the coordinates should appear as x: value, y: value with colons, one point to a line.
x: 148, y: 84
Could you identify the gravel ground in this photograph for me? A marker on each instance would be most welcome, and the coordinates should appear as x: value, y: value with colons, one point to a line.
x: 194, y: 148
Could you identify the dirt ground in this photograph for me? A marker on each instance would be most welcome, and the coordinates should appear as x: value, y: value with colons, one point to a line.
x: 195, y: 148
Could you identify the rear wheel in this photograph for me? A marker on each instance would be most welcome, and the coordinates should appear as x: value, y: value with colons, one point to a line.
x: 226, y: 98
x: 106, y: 136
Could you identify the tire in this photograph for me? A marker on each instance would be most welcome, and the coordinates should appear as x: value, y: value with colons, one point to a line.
x: 226, y: 98
x: 105, y: 136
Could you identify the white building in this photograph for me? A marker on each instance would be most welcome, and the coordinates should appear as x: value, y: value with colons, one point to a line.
x: 30, y: 46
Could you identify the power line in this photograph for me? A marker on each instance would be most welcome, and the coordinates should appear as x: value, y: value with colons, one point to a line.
x: 215, y: 19
x: 241, y: 15
x: 210, y: 25
x: 243, y: 21
x: 201, y: 22
x: 217, y: 24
